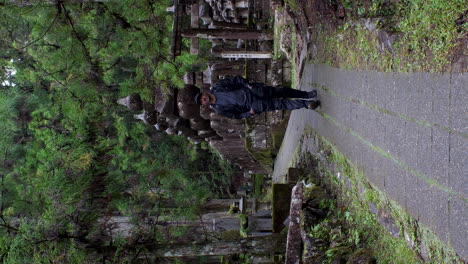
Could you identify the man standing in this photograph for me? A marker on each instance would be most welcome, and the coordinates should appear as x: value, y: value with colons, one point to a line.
x: 235, y: 98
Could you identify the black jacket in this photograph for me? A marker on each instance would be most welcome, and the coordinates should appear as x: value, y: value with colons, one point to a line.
x: 227, y: 85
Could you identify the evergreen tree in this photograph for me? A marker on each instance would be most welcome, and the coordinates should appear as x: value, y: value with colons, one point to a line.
x: 70, y: 157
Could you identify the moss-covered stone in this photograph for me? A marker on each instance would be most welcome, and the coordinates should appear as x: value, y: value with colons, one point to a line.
x: 280, y: 205
x: 295, y: 174
x: 362, y: 256
x: 230, y: 235
x: 274, y: 135
x: 314, y: 195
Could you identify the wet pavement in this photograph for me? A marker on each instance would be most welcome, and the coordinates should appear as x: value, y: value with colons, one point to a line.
x: 408, y: 133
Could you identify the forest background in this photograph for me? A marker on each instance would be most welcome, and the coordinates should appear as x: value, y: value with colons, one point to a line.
x: 71, y: 159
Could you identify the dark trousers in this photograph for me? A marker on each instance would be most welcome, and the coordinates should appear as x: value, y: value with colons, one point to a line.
x: 267, y: 98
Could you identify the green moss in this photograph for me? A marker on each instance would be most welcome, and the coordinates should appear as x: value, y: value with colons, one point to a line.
x: 315, y: 196
x: 233, y: 209
x: 277, y: 53
x: 427, y: 36
x: 363, y: 255
x: 274, y: 136
x: 244, y: 220
x: 244, y: 225
x: 293, y: 4
x: 268, y: 196
x: 230, y: 235
x: 360, y: 225
x: 293, y: 59
x: 258, y: 183
x: 264, y: 157
x: 278, y: 131
x: 280, y: 205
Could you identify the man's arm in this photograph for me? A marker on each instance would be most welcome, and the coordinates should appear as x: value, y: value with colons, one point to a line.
x: 241, y: 81
x: 230, y: 84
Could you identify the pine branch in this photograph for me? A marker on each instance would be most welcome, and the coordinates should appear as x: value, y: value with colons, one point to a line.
x: 124, y: 22
x: 113, y: 65
x: 203, y: 226
x: 95, y: 73
x: 170, y: 62
x: 49, y: 45
x: 45, y: 32
x: 9, y: 227
x: 64, y: 86
x: 1, y: 194
x: 159, y: 22
x: 75, y: 32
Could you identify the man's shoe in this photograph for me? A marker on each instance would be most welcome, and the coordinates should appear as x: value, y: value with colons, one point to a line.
x: 312, y: 94
x: 314, y: 105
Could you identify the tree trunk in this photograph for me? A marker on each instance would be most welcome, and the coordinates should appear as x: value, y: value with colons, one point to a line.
x: 274, y: 244
x: 254, y: 245
x: 122, y: 226
x: 218, y: 205
x: 22, y: 3
x: 221, y: 24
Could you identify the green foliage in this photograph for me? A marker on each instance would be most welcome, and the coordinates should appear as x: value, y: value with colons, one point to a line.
x: 293, y: 4
x: 245, y: 259
x: 430, y: 26
x: 70, y: 157
x: 9, y: 112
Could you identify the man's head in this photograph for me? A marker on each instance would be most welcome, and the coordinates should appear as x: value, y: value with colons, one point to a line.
x: 204, y: 98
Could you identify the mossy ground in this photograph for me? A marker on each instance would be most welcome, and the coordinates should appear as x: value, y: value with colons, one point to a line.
x: 428, y: 36
x: 359, y: 227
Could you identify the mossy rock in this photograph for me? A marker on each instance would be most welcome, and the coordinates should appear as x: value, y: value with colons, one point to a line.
x: 362, y: 256
x: 275, y: 135
x: 280, y: 205
x: 314, y: 195
x: 230, y: 235
x: 295, y: 174
x: 264, y: 157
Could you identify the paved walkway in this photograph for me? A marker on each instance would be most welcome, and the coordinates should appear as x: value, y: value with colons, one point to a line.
x: 407, y: 132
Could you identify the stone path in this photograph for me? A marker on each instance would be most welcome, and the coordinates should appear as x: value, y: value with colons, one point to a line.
x: 407, y: 132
